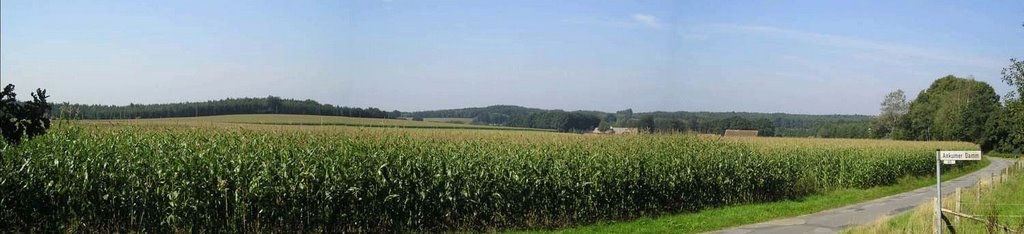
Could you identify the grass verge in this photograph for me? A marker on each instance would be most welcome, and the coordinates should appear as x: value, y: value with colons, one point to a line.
x: 724, y: 217
x: 1002, y: 155
x: 1002, y: 203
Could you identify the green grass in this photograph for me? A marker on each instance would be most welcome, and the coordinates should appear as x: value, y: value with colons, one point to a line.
x: 287, y: 119
x: 1004, y: 155
x: 1001, y: 204
x: 720, y: 218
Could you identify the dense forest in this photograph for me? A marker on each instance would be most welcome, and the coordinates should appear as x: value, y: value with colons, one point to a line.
x: 559, y: 120
x: 768, y: 124
x: 517, y: 116
x: 499, y: 111
x: 267, y: 105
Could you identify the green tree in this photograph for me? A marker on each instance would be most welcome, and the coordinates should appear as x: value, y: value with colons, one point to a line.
x: 23, y: 119
x: 499, y: 118
x: 1013, y: 75
x: 483, y: 118
x: 646, y: 123
x: 610, y: 118
x: 894, y: 106
x: 1011, y: 127
x: 604, y: 126
x: 274, y: 103
x: 624, y: 117
x: 952, y: 108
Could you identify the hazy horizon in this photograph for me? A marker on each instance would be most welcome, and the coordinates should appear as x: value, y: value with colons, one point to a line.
x: 499, y: 104
x: 798, y: 57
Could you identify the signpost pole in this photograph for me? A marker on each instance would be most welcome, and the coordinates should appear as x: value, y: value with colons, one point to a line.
x: 948, y: 157
x: 938, y: 192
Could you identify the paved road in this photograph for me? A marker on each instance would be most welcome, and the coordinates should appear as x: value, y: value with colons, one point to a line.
x: 835, y: 220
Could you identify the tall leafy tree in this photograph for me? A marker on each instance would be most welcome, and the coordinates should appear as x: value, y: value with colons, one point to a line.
x: 1013, y: 75
x: 23, y: 119
x: 274, y: 104
x: 1011, y: 128
x: 952, y: 108
x: 894, y: 106
x: 624, y: 116
x: 603, y: 126
x: 646, y: 123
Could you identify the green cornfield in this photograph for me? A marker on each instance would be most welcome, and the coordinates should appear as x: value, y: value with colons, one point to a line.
x: 194, y: 177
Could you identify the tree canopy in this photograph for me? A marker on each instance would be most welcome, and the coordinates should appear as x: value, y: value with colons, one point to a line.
x: 1009, y: 135
x: 268, y: 105
x: 23, y: 119
x: 952, y: 108
x: 894, y: 106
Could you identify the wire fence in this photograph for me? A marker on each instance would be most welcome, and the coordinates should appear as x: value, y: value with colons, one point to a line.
x: 980, y: 207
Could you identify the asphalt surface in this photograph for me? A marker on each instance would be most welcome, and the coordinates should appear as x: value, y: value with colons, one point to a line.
x: 838, y: 219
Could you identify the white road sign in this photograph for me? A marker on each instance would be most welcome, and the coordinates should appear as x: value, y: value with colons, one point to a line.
x: 947, y: 157
x: 959, y: 155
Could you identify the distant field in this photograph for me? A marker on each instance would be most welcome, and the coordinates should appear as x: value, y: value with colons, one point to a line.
x: 282, y: 119
x: 450, y: 120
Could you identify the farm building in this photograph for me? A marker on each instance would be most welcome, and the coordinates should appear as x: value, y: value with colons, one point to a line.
x: 740, y: 133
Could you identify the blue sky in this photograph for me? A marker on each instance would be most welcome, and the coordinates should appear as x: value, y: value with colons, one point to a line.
x: 820, y: 57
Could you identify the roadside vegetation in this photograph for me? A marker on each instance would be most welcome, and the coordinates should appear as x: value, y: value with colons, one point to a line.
x: 1001, y: 202
x: 234, y: 177
x: 737, y: 215
x: 1003, y: 155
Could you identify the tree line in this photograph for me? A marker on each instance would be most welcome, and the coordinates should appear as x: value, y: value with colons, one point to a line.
x: 650, y: 123
x: 588, y: 120
x: 558, y: 120
x: 267, y: 105
x: 958, y: 109
x: 768, y: 124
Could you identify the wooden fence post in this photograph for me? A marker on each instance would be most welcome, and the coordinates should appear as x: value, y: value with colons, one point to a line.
x: 992, y: 180
x: 977, y: 195
x: 958, y: 206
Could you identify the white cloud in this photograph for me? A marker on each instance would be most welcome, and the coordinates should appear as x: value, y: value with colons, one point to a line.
x: 646, y: 20
x: 881, y: 51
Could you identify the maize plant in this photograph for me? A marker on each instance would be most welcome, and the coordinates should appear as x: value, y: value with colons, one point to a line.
x: 241, y: 177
